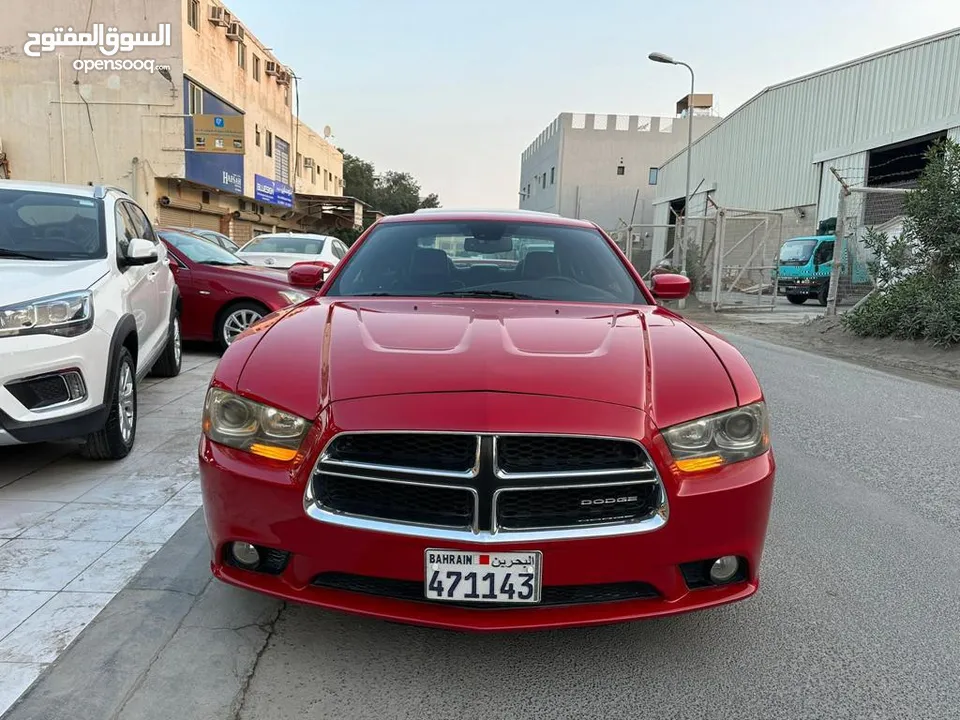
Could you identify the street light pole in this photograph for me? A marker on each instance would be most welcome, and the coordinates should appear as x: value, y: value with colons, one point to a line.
x: 667, y: 60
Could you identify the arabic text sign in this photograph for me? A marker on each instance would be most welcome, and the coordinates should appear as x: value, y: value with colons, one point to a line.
x: 218, y: 134
x: 272, y: 192
x: 108, y: 40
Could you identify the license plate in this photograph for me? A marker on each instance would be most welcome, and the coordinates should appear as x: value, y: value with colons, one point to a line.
x: 482, y: 577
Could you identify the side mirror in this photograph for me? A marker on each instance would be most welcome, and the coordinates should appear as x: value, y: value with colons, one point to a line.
x: 670, y: 286
x: 309, y: 275
x: 141, y: 252
x: 173, y: 264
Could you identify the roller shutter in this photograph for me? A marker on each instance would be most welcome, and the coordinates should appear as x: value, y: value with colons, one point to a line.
x: 174, y: 217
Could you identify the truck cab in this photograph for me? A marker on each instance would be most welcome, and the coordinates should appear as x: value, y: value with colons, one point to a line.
x: 803, y: 269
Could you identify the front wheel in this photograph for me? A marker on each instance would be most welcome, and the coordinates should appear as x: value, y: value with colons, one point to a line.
x: 115, y: 440
x: 168, y: 365
x: 237, y: 318
x: 797, y: 299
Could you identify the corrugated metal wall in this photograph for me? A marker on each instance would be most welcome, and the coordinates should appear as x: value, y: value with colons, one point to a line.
x: 763, y: 155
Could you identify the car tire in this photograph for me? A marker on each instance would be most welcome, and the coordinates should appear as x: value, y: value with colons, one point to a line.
x: 116, y: 439
x: 797, y: 299
x: 169, y: 363
x: 235, y: 318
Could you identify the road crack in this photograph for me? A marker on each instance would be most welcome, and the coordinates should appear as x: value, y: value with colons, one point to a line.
x: 269, y: 627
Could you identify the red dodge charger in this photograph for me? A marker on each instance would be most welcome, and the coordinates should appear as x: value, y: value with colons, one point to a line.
x: 486, y: 421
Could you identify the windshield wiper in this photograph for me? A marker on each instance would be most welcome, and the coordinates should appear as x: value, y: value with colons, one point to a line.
x: 22, y: 256
x: 506, y: 294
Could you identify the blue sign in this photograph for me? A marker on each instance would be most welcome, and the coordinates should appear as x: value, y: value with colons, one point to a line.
x: 218, y: 170
x: 273, y: 192
x: 218, y: 121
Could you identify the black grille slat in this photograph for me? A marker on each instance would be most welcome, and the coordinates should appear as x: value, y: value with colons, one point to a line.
x: 560, y: 473
x: 562, y: 507
x: 551, y: 595
x: 558, y: 453
x: 40, y: 392
x: 451, y: 453
x: 422, y: 504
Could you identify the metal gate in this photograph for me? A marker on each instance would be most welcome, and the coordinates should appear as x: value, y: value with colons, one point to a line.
x: 637, y: 242
x: 175, y: 217
x: 742, y: 264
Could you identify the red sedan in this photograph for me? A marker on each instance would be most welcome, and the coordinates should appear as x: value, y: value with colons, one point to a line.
x: 224, y: 295
x: 440, y: 440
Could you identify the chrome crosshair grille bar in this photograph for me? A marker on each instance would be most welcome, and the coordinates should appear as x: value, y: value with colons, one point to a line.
x: 487, y: 488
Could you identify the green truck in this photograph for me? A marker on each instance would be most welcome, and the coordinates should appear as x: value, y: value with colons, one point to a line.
x: 803, y: 269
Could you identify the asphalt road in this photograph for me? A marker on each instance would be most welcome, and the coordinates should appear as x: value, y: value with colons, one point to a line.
x: 858, y: 615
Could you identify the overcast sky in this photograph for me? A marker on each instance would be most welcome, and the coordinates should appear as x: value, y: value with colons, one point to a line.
x: 453, y: 91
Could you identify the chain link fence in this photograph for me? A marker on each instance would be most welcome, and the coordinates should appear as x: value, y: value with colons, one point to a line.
x: 849, y: 268
x: 636, y: 241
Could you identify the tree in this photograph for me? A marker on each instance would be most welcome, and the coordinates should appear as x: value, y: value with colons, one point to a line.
x: 918, y: 273
x: 392, y: 193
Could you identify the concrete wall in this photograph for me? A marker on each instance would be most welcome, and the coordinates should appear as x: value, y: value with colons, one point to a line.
x: 101, y: 123
x: 213, y: 61
x: 588, y: 149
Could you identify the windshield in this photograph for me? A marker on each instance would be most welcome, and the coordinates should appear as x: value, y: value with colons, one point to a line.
x: 50, y: 226
x: 200, y: 250
x: 796, y: 252
x: 302, y: 244
x: 487, y: 258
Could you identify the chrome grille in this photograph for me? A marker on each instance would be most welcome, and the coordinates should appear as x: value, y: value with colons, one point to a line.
x: 487, y: 484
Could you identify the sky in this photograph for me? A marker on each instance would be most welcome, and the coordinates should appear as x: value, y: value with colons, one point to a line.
x: 453, y: 92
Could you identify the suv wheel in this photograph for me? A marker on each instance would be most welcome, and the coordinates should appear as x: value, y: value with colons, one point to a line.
x: 115, y: 440
x: 168, y: 364
x: 237, y: 318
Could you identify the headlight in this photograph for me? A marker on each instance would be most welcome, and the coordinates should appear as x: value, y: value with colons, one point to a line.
x: 294, y: 297
x: 720, y: 439
x: 243, y: 424
x: 66, y: 315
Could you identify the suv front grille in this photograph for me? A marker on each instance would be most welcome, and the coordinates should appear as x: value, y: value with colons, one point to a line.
x: 487, y: 483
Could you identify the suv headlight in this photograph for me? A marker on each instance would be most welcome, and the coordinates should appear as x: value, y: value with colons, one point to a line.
x: 237, y: 422
x: 720, y: 439
x: 294, y: 297
x: 66, y: 315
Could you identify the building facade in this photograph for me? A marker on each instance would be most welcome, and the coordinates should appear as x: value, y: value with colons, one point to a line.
x: 605, y: 168
x: 870, y: 119
x: 175, y: 101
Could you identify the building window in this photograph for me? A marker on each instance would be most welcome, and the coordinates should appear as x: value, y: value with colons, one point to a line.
x: 299, y: 165
x: 256, y: 135
x: 553, y: 174
x: 242, y: 55
x: 313, y: 175
x: 194, y: 100
x: 282, y: 164
x: 256, y: 68
x: 544, y: 181
x: 326, y: 179
x: 286, y: 96
x: 654, y: 172
x: 621, y: 170
x: 268, y: 150
x: 193, y: 14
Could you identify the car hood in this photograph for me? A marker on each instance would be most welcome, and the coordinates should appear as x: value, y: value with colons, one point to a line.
x: 258, y: 272
x: 277, y: 260
x: 23, y: 280
x: 643, y: 358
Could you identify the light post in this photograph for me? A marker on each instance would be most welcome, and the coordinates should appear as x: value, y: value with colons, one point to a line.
x: 667, y: 60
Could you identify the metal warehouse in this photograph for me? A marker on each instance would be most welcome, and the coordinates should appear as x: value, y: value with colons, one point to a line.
x: 866, y: 123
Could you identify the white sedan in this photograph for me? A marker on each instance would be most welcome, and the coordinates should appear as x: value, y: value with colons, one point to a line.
x: 282, y: 250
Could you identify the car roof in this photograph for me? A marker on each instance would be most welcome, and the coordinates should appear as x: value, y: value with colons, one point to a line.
x: 48, y: 187
x: 516, y: 216
x: 311, y: 236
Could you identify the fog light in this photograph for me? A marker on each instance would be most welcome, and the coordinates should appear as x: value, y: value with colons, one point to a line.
x: 724, y: 568
x: 245, y: 554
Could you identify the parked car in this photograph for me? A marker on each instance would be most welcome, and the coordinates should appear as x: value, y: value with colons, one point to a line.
x: 88, y: 306
x: 281, y: 250
x: 222, y: 294
x: 532, y: 446
x: 219, y: 238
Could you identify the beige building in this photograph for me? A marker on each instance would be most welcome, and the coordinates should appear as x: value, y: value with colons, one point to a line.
x: 175, y: 101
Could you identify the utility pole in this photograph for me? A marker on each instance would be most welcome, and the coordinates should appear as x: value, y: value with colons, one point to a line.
x: 839, y: 245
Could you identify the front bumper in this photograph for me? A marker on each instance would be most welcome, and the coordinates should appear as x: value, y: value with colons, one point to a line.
x: 33, y: 356
x: 723, y: 512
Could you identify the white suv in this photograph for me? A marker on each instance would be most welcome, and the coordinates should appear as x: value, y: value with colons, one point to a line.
x: 88, y: 306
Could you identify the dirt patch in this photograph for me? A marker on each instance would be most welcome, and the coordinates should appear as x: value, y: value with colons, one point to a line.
x: 825, y: 336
